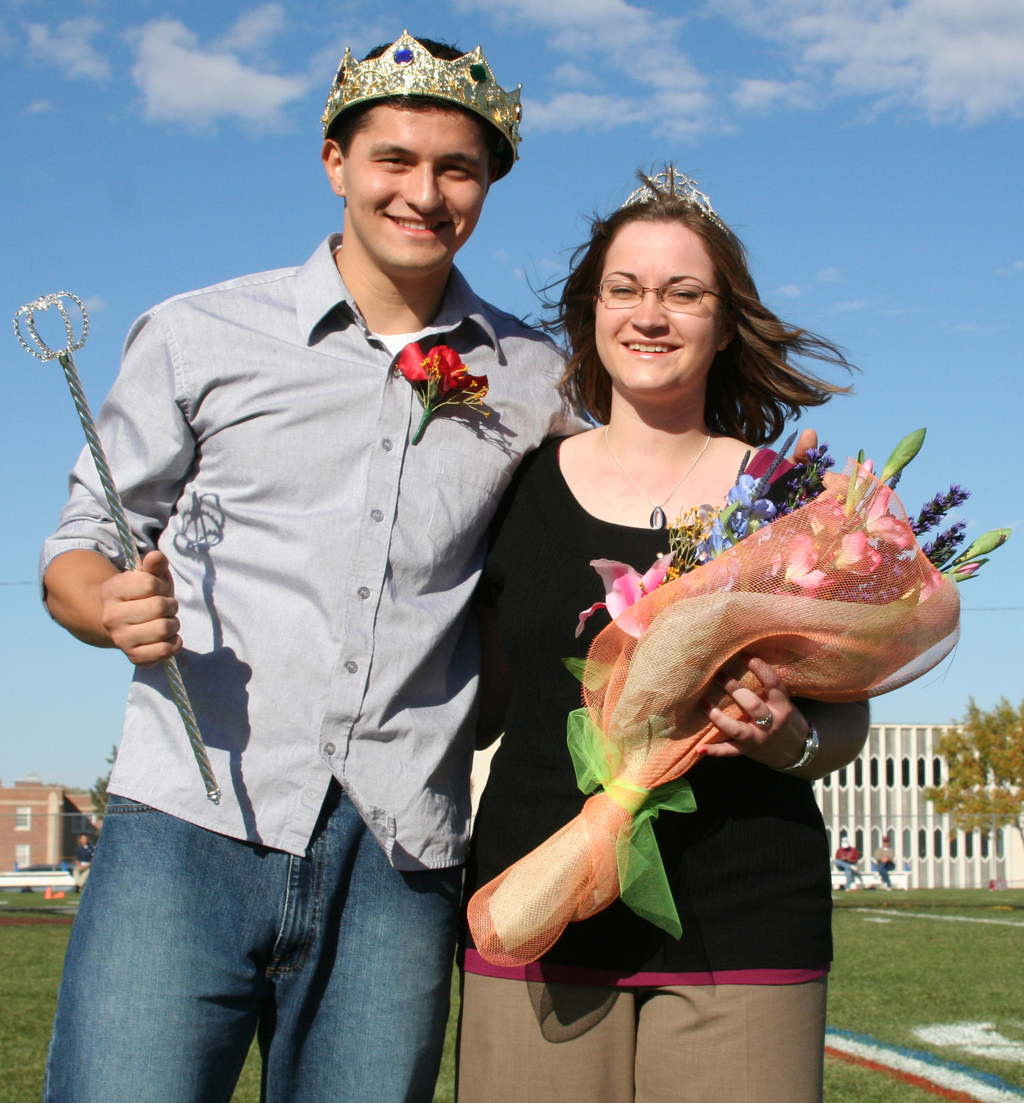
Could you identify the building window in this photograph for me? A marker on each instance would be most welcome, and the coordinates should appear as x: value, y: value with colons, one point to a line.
x: 968, y: 844
x: 907, y: 843
x: 906, y: 773
x: 922, y: 844
x: 876, y: 840
x: 859, y: 843
x: 938, y: 842
x: 23, y: 818
x: 953, y: 848
x: 842, y: 777
x: 22, y: 855
x: 828, y: 837
x: 999, y: 843
x: 922, y: 777
x: 984, y: 844
x: 826, y: 781
x: 858, y: 775
x: 936, y: 772
x: 890, y: 772
x: 874, y: 772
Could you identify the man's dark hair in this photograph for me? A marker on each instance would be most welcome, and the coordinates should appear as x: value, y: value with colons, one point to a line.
x: 350, y: 122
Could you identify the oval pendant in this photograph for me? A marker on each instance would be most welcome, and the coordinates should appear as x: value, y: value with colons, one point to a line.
x: 658, y: 518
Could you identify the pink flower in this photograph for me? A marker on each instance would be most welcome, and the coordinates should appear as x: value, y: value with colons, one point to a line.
x: 802, y: 562
x: 624, y: 587
x: 880, y: 524
x: 857, y: 555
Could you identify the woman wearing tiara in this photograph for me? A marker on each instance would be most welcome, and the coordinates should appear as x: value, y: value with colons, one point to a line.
x: 685, y: 370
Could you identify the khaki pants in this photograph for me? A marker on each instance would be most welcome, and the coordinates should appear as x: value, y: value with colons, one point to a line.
x: 529, y: 1042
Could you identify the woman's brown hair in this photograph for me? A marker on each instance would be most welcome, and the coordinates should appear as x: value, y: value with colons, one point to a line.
x: 752, y: 387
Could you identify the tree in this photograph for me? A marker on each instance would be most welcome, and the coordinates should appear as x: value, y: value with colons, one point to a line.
x: 98, y: 792
x: 985, y: 755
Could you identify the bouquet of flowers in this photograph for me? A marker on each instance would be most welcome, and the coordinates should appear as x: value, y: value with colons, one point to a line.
x: 831, y: 588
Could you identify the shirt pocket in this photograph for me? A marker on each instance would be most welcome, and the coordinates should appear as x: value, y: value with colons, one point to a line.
x: 465, y: 495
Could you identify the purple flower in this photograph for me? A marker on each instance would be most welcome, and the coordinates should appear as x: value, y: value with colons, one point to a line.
x: 940, y: 550
x: 933, y: 512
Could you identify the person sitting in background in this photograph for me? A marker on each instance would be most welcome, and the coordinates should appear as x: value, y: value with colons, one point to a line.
x: 846, y: 860
x: 885, y: 861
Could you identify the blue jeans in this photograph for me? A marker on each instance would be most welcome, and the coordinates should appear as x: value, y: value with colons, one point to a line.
x: 188, y: 943
x: 849, y: 869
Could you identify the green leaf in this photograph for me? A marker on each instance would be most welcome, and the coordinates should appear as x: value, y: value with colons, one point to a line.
x: 860, y: 456
x: 575, y: 667
x: 987, y: 542
x: 902, y: 454
x: 598, y: 672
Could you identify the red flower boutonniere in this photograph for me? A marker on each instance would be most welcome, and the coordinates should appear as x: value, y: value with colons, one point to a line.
x: 440, y: 378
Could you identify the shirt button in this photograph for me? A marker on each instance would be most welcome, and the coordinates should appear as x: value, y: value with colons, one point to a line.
x: 329, y: 748
x: 351, y: 666
x: 386, y: 445
x: 377, y: 515
x: 363, y: 592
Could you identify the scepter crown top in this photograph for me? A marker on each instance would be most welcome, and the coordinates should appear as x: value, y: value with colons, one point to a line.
x: 39, y: 347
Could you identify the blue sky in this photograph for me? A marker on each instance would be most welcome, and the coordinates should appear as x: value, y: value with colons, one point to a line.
x: 868, y: 152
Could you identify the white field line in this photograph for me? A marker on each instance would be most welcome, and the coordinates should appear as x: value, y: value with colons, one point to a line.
x: 951, y: 1079
x: 899, y: 913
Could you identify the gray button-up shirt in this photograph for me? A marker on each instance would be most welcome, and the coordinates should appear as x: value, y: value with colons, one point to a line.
x: 324, y: 566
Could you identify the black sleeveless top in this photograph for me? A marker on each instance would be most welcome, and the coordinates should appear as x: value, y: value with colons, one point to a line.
x: 749, y: 869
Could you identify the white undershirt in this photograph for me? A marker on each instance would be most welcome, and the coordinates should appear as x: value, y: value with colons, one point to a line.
x: 395, y: 342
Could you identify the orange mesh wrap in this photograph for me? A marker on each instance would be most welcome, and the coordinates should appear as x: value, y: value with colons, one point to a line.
x: 836, y: 596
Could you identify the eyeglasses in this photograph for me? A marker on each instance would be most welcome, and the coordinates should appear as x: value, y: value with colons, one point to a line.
x: 683, y: 297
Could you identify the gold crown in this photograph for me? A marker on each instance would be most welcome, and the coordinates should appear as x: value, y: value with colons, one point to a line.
x: 407, y: 68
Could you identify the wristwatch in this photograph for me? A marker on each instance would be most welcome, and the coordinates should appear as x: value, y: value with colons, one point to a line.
x: 810, y: 750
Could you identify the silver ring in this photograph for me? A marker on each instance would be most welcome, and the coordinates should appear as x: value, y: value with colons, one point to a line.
x: 765, y: 722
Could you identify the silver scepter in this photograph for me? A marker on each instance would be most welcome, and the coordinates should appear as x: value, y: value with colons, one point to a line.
x: 42, y: 351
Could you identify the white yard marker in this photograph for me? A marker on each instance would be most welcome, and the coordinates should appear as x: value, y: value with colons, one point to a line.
x: 981, y: 1039
x: 901, y: 914
x: 938, y: 1077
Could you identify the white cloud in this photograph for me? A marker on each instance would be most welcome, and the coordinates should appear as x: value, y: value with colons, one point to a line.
x: 829, y: 275
x: 253, y: 30
x: 790, y: 290
x: 69, y: 48
x: 647, y: 79
x: 955, y: 60
x: 39, y: 107
x: 181, y: 82
x: 763, y: 95
x: 845, y: 308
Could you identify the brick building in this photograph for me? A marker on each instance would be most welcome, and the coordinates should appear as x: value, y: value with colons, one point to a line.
x: 40, y: 824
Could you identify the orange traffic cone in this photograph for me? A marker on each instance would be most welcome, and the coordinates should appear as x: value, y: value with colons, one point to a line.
x: 48, y: 895
x: 59, y: 895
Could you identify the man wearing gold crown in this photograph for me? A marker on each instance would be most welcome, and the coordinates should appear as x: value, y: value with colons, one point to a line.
x: 309, y: 467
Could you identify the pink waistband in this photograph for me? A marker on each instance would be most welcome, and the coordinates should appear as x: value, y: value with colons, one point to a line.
x: 472, y: 962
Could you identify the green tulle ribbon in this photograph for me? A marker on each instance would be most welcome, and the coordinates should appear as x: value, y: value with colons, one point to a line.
x: 643, y: 884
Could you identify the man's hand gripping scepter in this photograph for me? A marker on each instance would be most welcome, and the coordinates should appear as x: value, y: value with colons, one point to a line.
x: 42, y: 351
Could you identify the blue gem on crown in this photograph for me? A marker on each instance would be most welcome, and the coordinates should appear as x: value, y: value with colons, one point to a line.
x: 403, y: 57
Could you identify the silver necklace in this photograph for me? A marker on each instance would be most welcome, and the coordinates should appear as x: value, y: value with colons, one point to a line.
x: 657, y: 514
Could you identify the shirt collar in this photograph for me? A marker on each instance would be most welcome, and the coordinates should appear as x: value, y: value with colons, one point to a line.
x: 321, y: 290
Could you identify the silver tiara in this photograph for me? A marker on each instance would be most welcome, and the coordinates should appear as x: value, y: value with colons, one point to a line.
x: 671, y: 182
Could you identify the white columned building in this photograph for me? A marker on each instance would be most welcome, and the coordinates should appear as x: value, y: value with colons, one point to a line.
x: 882, y: 793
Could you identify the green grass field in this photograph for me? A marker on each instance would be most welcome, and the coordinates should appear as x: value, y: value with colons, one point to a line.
x: 894, y: 972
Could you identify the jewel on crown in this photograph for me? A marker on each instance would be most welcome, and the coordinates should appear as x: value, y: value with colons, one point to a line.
x: 408, y: 68
x: 671, y: 182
